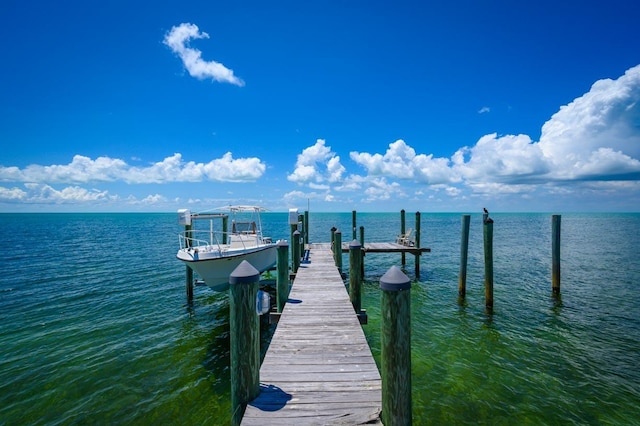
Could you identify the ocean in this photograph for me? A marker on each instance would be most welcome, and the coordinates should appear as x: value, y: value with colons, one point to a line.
x: 95, y: 327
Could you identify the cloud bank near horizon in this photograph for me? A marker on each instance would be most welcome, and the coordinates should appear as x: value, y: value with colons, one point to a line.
x: 594, y: 140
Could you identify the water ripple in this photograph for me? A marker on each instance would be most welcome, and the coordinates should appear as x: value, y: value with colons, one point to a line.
x: 95, y: 328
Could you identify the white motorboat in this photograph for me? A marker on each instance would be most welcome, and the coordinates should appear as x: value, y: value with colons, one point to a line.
x: 215, y: 252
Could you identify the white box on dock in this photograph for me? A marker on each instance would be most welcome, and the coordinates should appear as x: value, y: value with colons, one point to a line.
x: 293, y: 216
x: 184, y: 217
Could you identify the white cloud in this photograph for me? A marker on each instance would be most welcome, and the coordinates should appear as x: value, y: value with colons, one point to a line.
x: 484, y: 110
x: 41, y: 193
x: 352, y: 183
x: 172, y: 169
x: 317, y: 164
x: 292, y: 198
x: 595, y: 138
x: 37, y: 193
x: 602, y: 124
x: 178, y: 40
x: 12, y: 194
x: 380, y: 190
x: 401, y: 161
x: 335, y: 170
x: 153, y: 199
x: 500, y: 159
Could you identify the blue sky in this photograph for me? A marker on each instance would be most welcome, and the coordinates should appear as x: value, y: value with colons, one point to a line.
x: 337, y: 105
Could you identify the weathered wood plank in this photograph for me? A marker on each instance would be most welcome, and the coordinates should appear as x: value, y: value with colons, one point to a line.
x: 318, y: 368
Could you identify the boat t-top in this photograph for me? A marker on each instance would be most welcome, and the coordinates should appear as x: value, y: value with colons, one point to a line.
x: 214, y: 252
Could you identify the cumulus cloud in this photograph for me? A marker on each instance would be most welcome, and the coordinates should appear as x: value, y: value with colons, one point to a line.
x: 178, y: 41
x: 602, y: 126
x: 153, y: 199
x: 591, y: 144
x: 172, y: 169
x: 596, y: 137
x: 12, y: 194
x: 401, y: 161
x: 37, y: 193
x: 317, y: 164
x: 500, y: 159
x: 379, y: 190
x: 42, y: 193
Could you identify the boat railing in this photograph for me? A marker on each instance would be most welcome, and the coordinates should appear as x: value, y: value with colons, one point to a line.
x: 200, y: 239
x: 206, y: 240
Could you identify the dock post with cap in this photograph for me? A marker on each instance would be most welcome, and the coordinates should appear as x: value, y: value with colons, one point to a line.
x: 244, y: 338
x: 395, y: 311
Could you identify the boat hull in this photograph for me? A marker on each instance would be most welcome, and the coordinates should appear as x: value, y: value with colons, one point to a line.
x: 215, y: 270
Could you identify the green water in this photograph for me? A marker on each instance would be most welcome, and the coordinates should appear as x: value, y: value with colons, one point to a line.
x: 95, y: 328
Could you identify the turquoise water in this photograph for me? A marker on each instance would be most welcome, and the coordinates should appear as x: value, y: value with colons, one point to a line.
x: 95, y: 329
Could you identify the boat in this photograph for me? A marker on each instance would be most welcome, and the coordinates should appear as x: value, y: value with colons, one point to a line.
x: 215, y: 252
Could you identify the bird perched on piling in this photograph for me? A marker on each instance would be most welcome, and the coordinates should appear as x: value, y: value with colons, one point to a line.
x: 487, y: 219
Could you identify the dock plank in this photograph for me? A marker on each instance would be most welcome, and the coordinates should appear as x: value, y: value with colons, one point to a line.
x: 378, y: 247
x: 318, y: 369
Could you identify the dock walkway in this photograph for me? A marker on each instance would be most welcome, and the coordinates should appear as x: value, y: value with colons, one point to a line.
x: 318, y: 369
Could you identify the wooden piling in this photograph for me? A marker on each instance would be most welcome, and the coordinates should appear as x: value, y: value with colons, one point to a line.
x: 296, y: 251
x: 189, y: 284
x: 302, y: 230
x: 362, y: 252
x: 488, y: 261
x: 333, y: 242
x: 306, y: 227
x: 188, y: 270
x: 293, y: 228
x: 395, y: 311
x: 244, y: 338
x: 555, y: 253
x: 282, y: 279
x: 464, y: 250
x: 402, y: 231
x: 338, y: 250
x: 353, y: 224
x: 417, y: 245
x: 355, y: 279
x: 225, y: 229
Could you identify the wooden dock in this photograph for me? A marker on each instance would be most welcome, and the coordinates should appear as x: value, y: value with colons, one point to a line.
x: 389, y: 248
x: 318, y: 369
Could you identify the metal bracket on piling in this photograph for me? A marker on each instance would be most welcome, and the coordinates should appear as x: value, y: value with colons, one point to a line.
x: 274, y: 317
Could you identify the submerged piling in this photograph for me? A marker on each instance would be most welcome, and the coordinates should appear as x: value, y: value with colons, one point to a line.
x: 244, y: 338
x: 395, y: 312
x: 464, y: 252
x: 555, y: 254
